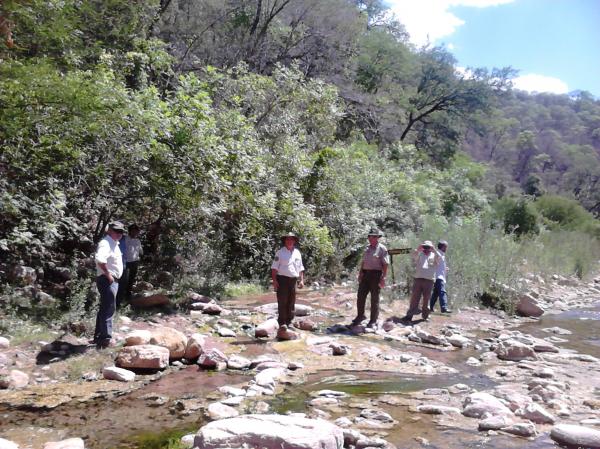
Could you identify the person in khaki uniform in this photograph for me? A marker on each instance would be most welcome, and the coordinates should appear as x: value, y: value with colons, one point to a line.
x: 371, y: 278
x: 426, y: 260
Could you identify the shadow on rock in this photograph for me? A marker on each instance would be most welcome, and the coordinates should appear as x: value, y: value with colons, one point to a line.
x: 61, y: 349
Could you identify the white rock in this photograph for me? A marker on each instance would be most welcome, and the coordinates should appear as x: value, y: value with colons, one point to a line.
x: 218, y: 410
x: 238, y: 362
x: 577, y: 436
x: 4, y: 343
x: 143, y: 357
x: 15, y: 379
x: 515, y: 351
x: 232, y: 391
x: 120, y: 374
x: 268, y: 377
x: 493, y: 423
x: 271, y: 309
x: 472, y: 361
x: 6, y: 444
x: 376, y: 415
x: 71, y: 443
x: 225, y: 332
x: 187, y: 441
x: 459, y: 341
x: 536, y: 413
x: 481, y: 405
x: 521, y: 429
x: 433, y: 409
x: 557, y: 330
x: 270, y: 431
x: 266, y: 329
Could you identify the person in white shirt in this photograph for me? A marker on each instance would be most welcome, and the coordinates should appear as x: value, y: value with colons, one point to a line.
x: 439, y: 288
x: 287, y: 270
x: 133, y: 253
x: 109, y: 269
x: 426, y: 260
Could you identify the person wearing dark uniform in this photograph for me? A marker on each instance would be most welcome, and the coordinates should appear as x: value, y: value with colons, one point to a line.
x: 287, y: 271
x: 371, y: 278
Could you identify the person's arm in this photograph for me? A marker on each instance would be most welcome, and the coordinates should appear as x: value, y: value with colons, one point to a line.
x: 274, y: 279
x: 301, y: 276
x: 383, y: 274
x: 415, y: 254
x: 438, y: 257
x: 101, y: 258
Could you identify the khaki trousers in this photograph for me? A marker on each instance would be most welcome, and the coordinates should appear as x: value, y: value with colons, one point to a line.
x: 421, y: 292
x: 368, y: 284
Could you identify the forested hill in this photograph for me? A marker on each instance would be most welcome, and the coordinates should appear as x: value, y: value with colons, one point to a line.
x: 217, y: 125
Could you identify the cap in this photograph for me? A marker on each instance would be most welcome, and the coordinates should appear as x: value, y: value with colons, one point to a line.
x: 289, y: 234
x: 116, y: 226
x: 375, y: 232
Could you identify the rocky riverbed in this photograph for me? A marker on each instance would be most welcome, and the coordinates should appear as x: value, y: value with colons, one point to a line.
x: 476, y: 378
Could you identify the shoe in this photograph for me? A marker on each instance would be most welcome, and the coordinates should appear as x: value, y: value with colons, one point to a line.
x: 356, y: 321
x: 291, y: 325
x: 425, y: 315
x: 372, y: 324
x: 407, y: 318
x: 446, y: 311
x: 106, y: 343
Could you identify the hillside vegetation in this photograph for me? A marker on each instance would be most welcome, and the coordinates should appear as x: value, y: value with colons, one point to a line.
x: 218, y: 125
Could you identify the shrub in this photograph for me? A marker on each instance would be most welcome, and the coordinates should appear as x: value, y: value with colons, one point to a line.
x: 563, y: 213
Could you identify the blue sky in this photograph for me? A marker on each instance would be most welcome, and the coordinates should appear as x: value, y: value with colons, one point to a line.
x: 555, y: 44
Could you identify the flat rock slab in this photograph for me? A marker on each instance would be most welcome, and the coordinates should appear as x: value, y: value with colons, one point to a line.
x: 270, y: 431
x: 577, y: 436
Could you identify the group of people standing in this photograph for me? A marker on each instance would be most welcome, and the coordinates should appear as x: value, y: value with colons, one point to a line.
x: 429, y: 282
x: 117, y: 260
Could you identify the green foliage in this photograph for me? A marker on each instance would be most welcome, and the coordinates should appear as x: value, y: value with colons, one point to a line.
x: 564, y: 213
x: 518, y: 216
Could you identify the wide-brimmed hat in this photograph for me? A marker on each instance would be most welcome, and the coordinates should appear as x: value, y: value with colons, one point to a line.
x: 427, y: 243
x: 290, y: 234
x: 375, y: 232
x: 116, y: 226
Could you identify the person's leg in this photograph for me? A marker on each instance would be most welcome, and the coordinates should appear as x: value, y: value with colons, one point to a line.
x: 443, y: 296
x: 435, y: 294
x: 374, y: 289
x: 414, y: 299
x: 291, y: 313
x: 122, y: 286
x: 106, y: 310
x: 132, y: 271
x: 282, y: 300
x: 361, y: 299
x: 427, y: 287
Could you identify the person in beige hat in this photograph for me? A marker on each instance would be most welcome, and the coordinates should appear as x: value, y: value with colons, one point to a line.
x: 426, y: 260
x: 287, y: 270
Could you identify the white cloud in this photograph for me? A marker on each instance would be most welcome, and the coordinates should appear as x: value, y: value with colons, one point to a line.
x: 429, y: 20
x: 540, y: 83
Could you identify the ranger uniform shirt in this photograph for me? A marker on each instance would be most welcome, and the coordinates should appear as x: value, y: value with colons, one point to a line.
x: 288, y: 263
x: 108, y: 252
x: 375, y: 258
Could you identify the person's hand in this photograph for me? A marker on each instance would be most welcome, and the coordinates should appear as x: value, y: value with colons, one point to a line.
x: 301, y: 284
x: 382, y: 282
x: 360, y: 275
x: 110, y: 278
x: 275, y: 285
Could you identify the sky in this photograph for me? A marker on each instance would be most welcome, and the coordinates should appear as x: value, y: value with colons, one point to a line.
x: 554, y: 44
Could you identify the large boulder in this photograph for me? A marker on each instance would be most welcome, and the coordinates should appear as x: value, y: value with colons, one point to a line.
x: 271, y: 309
x: 22, y: 275
x: 143, y: 357
x: 150, y: 299
x: 483, y: 405
x: 6, y: 444
x: 4, y: 343
x: 515, y: 351
x: 270, y: 431
x: 529, y: 306
x: 195, y: 346
x: 138, y: 337
x: 576, y: 436
x: 14, y: 379
x: 267, y: 328
x: 171, y: 339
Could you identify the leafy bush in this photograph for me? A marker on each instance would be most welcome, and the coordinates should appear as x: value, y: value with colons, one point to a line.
x: 518, y: 216
x: 563, y: 213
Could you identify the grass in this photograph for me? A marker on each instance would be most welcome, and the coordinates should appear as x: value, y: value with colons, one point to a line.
x: 236, y: 289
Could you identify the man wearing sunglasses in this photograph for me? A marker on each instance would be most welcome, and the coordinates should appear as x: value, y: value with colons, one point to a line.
x: 109, y: 268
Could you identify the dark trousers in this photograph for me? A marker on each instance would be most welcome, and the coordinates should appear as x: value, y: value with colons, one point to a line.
x: 368, y: 284
x: 286, y: 299
x: 439, y: 291
x: 127, y: 282
x: 108, y: 293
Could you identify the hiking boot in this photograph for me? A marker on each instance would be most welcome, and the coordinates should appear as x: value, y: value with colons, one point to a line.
x: 356, y: 321
x: 106, y: 343
x: 407, y: 318
x: 446, y: 311
x: 372, y: 325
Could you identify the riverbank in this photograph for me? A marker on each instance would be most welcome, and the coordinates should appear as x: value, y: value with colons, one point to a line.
x: 421, y: 375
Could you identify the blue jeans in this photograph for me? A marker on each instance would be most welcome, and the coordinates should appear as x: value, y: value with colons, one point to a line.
x: 104, y: 318
x: 439, y: 290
